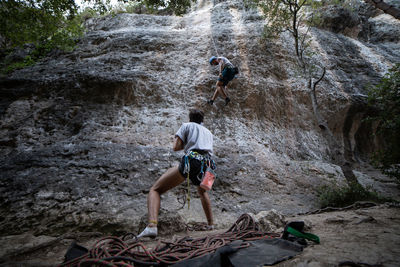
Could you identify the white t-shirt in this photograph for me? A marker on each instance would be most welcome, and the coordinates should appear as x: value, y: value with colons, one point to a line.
x: 225, y: 62
x: 195, y: 136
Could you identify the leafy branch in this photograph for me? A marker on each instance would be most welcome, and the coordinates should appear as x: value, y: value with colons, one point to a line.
x: 287, y: 16
x: 385, y: 98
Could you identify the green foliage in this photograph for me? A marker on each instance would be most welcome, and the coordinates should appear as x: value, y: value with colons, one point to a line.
x: 100, y: 7
x: 134, y: 7
x: 341, y: 196
x: 385, y: 97
x: 56, y: 24
x: 48, y: 24
x: 88, y: 13
x: 177, y: 7
x: 287, y: 15
x: 28, y: 61
x: 278, y: 16
x: 37, y: 22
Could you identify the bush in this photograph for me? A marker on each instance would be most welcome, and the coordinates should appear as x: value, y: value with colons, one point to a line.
x: 28, y: 61
x: 158, y: 7
x: 56, y: 24
x: 341, y: 196
x: 385, y: 99
x: 47, y: 24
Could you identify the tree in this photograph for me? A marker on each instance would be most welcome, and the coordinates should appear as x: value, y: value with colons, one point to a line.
x: 41, y: 22
x: 55, y: 24
x: 385, y: 98
x: 389, y: 9
x: 44, y: 24
x: 177, y: 7
x: 286, y: 15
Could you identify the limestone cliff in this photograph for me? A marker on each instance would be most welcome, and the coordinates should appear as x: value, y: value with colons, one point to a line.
x: 85, y: 134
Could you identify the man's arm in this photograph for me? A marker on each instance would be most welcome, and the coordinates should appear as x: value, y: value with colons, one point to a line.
x: 178, y: 144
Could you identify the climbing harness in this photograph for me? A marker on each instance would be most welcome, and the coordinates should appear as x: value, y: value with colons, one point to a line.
x: 204, y: 159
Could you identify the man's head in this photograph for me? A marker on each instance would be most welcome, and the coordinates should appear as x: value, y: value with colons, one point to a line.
x: 196, y: 115
x: 213, y: 61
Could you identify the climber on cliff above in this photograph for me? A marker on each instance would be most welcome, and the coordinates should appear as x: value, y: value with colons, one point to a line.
x: 227, y: 72
x: 197, y: 142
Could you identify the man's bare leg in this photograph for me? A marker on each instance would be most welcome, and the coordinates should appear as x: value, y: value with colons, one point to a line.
x: 220, y: 90
x: 206, y: 203
x: 167, y: 181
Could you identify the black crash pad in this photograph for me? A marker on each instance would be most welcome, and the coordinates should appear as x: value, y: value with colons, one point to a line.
x: 260, y: 253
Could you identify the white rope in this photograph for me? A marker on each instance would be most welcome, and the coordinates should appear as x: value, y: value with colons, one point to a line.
x: 215, y: 47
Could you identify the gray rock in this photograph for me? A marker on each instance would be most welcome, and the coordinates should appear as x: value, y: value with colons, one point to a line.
x: 338, y: 19
x: 270, y: 221
x: 85, y: 134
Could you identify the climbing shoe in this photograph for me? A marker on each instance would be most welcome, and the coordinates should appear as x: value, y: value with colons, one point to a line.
x: 209, y: 227
x: 148, y: 232
x: 227, y: 100
x: 210, y: 102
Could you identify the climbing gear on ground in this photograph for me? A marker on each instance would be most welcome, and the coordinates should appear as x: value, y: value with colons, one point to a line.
x: 307, y: 236
x: 108, y: 250
x: 294, y: 230
x: 210, y: 102
x: 227, y: 100
x: 148, y: 232
x: 198, y: 226
x: 356, y: 205
x: 75, y: 251
x: 212, y: 59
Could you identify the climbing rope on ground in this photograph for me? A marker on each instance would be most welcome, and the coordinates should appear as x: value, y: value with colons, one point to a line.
x: 198, y: 226
x: 356, y: 205
x: 116, y: 251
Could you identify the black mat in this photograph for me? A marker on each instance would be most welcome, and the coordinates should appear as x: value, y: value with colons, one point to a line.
x: 260, y: 253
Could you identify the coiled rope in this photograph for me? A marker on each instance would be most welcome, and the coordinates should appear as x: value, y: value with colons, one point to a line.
x: 115, y: 251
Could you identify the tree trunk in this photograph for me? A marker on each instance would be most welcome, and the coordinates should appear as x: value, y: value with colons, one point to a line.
x: 388, y: 9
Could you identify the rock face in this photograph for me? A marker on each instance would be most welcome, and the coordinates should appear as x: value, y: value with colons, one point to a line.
x: 85, y: 134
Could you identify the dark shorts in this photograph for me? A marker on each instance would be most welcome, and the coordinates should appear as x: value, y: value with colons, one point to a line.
x: 227, y: 75
x: 195, y: 174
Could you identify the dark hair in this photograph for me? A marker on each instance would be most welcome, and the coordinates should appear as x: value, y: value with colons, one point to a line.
x: 196, y: 115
